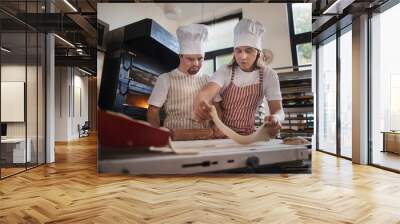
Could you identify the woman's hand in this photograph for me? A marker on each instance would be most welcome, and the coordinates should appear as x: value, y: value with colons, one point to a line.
x: 201, y: 104
x: 273, y: 124
x: 202, y: 110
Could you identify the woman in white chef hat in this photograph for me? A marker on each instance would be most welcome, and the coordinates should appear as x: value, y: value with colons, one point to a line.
x: 177, y: 89
x: 240, y: 86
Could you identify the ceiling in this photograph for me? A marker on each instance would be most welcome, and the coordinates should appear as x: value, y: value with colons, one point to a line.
x: 73, y: 20
x: 16, y: 42
x: 76, y: 24
x: 328, y: 16
x: 187, y: 10
x: 79, y: 27
x: 39, y: 6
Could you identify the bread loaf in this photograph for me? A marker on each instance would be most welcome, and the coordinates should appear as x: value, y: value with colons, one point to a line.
x: 192, y: 134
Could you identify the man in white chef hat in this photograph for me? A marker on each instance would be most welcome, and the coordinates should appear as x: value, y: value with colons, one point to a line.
x: 177, y: 89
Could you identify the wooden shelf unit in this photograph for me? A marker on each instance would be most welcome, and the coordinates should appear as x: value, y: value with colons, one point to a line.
x: 298, y: 103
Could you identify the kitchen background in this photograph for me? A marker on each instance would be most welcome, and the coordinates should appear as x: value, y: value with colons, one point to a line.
x: 144, y: 41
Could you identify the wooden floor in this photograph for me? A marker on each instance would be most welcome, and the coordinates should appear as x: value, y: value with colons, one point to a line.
x: 387, y: 159
x: 71, y: 191
x: 10, y: 171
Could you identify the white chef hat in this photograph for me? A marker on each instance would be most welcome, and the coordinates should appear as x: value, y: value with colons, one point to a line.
x: 248, y: 32
x: 192, y: 38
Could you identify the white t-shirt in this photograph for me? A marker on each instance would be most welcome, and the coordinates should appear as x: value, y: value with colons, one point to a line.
x: 271, y: 86
x: 160, y: 91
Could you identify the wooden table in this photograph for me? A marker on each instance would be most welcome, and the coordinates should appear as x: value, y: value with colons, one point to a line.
x: 391, y: 141
x: 213, y: 156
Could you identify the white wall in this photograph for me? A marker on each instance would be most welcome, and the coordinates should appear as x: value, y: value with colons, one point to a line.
x: 70, y: 83
x: 274, y: 18
x: 272, y: 15
x: 62, y: 81
x: 16, y: 72
x: 33, y: 127
x: 122, y: 14
x: 277, y: 38
x: 80, y: 83
x: 13, y: 72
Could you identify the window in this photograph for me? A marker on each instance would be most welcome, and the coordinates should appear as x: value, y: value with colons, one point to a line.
x: 223, y: 59
x: 299, y: 18
x: 22, y: 67
x: 303, y: 52
x: 327, y: 96
x: 208, y: 66
x: 346, y: 94
x: 221, y: 35
x: 220, y: 45
x: 334, y: 84
x: 385, y: 86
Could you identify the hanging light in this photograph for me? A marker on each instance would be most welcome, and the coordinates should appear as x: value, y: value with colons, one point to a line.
x: 5, y: 50
x: 172, y: 11
x: 70, y: 5
x: 337, y: 7
x: 64, y: 40
x: 84, y: 71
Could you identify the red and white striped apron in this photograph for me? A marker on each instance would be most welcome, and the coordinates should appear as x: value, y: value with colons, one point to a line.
x: 179, y: 104
x: 239, y: 105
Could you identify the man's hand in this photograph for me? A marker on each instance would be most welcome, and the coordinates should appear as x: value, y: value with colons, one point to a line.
x: 273, y: 124
x: 153, y: 116
x: 217, y: 133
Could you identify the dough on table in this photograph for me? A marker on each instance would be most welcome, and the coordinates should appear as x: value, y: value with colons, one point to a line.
x: 171, y: 148
x: 261, y: 133
x: 296, y: 141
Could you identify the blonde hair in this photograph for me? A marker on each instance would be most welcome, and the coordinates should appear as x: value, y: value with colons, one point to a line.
x: 259, y: 63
